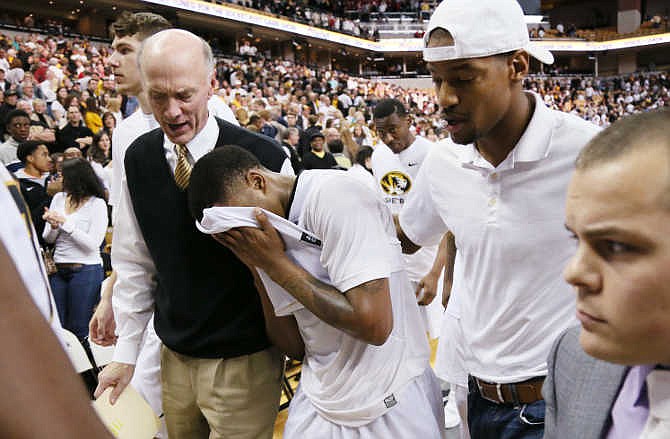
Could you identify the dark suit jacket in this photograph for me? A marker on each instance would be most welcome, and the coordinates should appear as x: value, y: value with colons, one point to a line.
x: 579, y: 391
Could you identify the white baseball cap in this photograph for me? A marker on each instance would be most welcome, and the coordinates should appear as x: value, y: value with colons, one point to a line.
x: 481, y: 28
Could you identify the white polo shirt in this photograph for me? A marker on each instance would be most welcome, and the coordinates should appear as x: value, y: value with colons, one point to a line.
x: 508, y: 222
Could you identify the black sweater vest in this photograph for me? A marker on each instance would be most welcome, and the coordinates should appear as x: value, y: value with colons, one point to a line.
x: 206, y: 305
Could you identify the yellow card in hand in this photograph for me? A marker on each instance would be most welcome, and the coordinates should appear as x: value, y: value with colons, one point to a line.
x: 130, y: 417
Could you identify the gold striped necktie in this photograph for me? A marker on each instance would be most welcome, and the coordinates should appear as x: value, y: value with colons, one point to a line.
x: 182, y: 172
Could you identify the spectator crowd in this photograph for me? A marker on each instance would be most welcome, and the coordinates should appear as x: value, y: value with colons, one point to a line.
x: 67, y: 90
x: 61, y: 93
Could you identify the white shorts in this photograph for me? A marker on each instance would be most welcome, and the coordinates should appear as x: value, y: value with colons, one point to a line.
x: 418, y: 414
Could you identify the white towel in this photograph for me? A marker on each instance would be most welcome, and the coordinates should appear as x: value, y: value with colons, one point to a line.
x: 302, y: 247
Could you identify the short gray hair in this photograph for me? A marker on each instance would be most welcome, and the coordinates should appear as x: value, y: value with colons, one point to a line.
x: 287, y: 132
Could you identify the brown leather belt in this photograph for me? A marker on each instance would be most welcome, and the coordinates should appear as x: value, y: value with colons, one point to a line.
x: 525, y: 392
x: 66, y: 266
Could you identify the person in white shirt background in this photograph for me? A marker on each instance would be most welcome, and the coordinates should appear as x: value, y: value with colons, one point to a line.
x: 76, y: 223
x: 396, y: 162
x: 501, y: 201
x: 365, y: 369
x: 98, y: 156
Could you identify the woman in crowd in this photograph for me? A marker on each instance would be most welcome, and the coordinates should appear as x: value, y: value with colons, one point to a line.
x: 58, y: 107
x: 108, y: 123
x: 100, y: 150
x: 40, y: 116
x: 61, y: 95
x: 114, y: 107
x: 92, y: 116
x: 72, y: 100
x: 359, y: 135
x: 83, y: 97
x: 76, y: 225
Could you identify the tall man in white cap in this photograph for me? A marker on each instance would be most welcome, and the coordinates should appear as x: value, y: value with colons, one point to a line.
x: 503, y: 203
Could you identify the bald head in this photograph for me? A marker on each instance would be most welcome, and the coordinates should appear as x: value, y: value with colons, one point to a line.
x: 176, y: 44
x: 177, y: 72
x: 72, y: 153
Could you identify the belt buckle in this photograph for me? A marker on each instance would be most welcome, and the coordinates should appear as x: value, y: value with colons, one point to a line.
x: 499, y: 391
x: 500, y: 400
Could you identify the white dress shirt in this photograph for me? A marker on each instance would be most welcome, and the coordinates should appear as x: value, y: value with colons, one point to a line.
x: 123, y: 136
x: 140, y: 123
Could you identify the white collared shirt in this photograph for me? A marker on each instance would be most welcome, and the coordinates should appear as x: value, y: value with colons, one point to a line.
x: 508, y: 222
x: 132, y: 298
x: 201, y: 144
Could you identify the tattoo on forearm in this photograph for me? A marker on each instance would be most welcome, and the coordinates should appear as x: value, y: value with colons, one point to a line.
x: 325, y: 301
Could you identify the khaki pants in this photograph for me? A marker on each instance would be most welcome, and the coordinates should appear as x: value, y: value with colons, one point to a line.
x: 215, y: 398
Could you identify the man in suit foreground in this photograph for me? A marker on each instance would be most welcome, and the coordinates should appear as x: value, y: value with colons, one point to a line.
x: 610, y: 379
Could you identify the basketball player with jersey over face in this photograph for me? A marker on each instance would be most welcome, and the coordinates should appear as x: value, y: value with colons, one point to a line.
x: 357, y: 327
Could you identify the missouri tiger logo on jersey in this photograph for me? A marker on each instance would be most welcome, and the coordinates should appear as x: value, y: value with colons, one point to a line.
x: 396, y: 183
